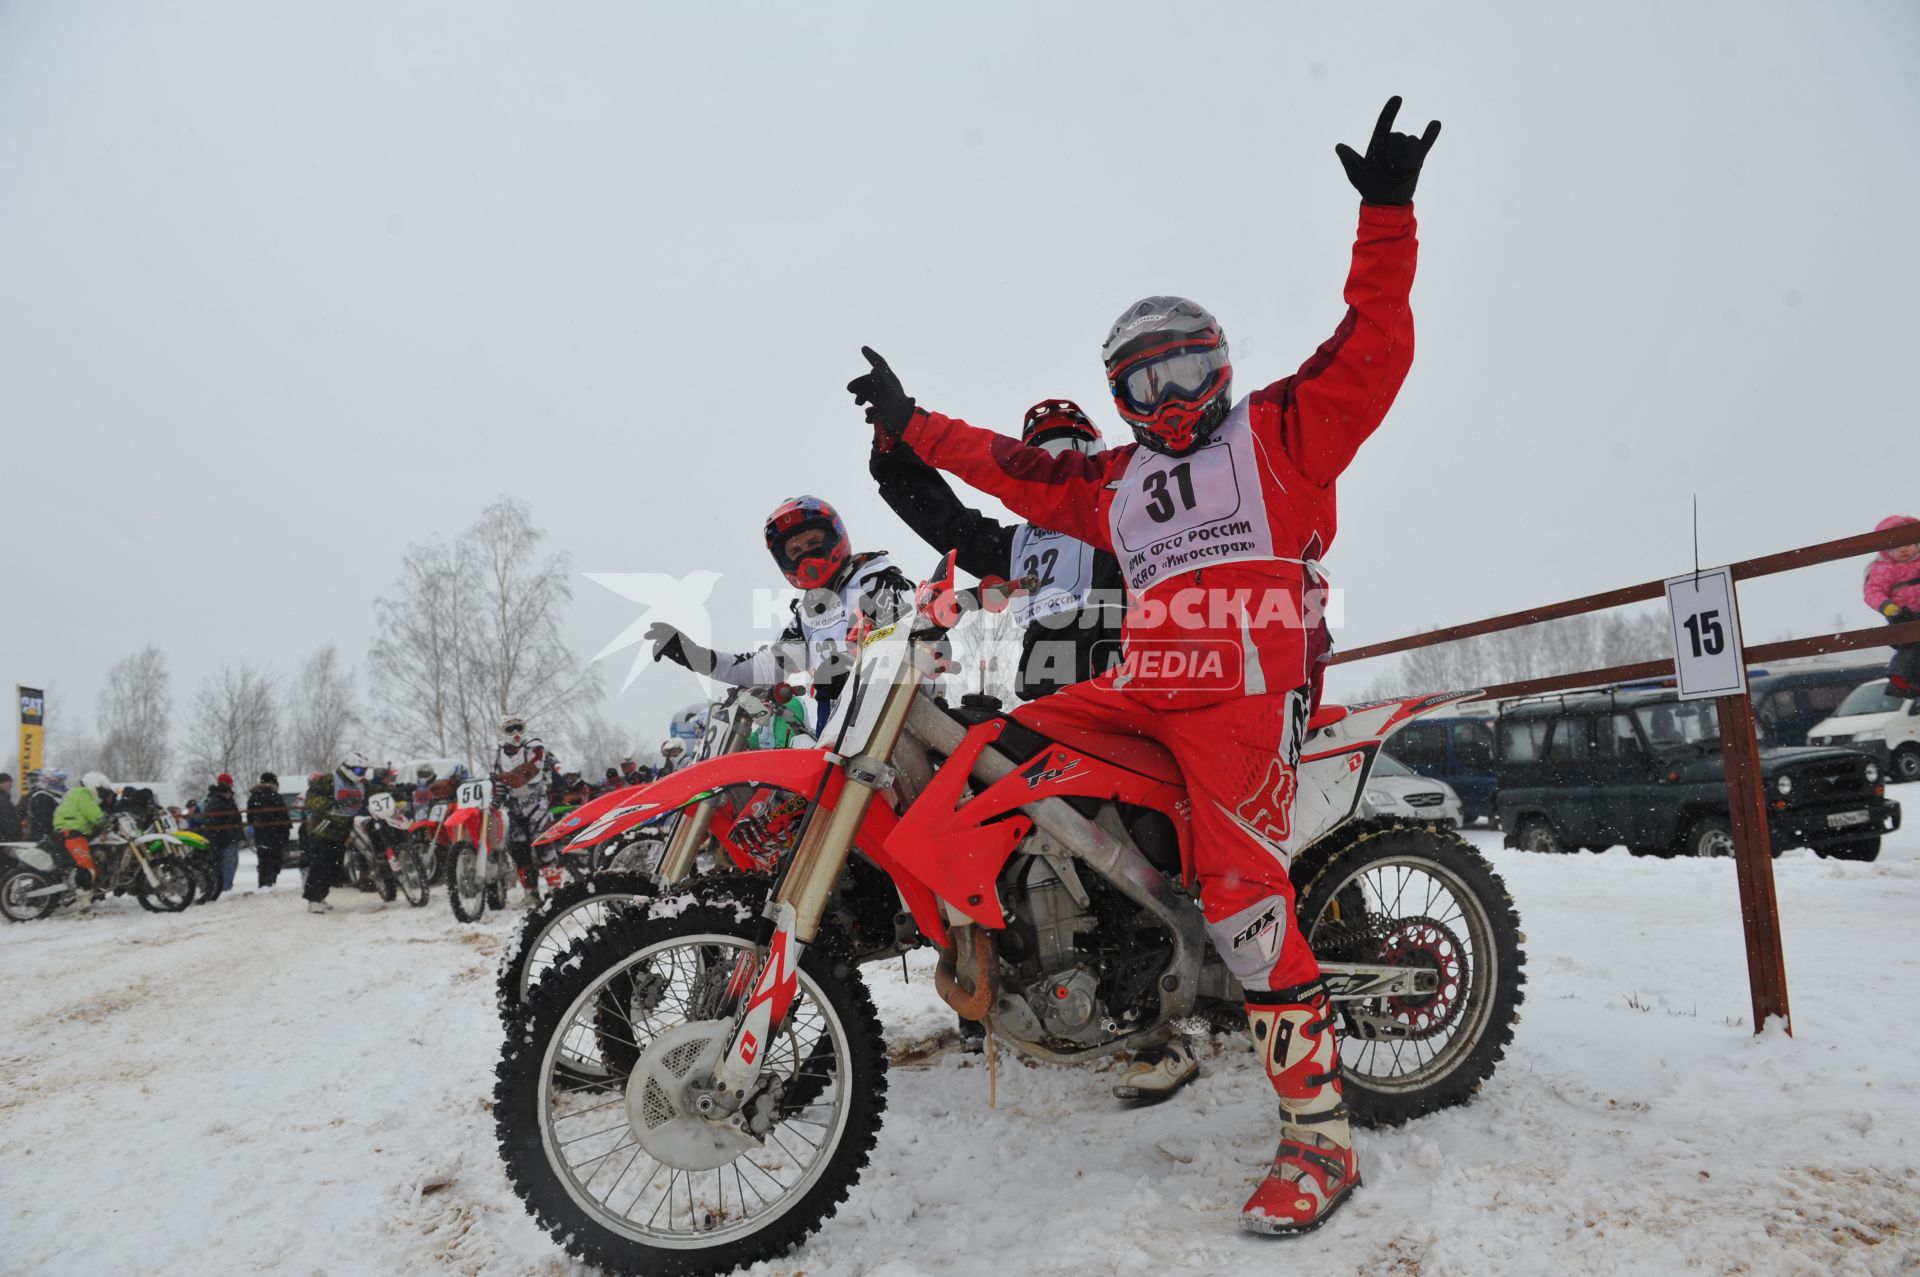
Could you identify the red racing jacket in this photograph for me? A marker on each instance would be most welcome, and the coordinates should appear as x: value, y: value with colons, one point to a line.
x: 1220, y: 546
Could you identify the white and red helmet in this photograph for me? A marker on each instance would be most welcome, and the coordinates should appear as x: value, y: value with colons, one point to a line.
x: 1168, y: 369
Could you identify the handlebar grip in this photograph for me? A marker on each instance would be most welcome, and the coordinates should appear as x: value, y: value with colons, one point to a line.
x: 783, y: 692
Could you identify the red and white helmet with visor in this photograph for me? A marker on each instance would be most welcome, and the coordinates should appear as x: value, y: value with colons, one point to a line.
x: 1058, y: 425
x: 808, y: 541
x: 1168, y: 368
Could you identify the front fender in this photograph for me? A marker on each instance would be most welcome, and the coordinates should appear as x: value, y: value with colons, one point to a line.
x: 798, y: 770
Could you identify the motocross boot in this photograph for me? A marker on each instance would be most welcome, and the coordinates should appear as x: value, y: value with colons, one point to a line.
x: 1156, y: 1074
x: 1315, y: 1169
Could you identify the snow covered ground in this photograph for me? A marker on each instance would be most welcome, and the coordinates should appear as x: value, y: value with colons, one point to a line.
x: 247, y: 1089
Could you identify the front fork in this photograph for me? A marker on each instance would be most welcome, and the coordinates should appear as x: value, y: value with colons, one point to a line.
x: 690, y: 833
x: 807, y: 881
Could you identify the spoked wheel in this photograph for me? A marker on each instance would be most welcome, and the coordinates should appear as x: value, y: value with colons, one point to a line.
x: 17, y: 900
x: 560, y: 921
x: 430, y: 859
x: 630, y: 1175
x: 465, y: 891
x: 172, y: 893
x: 1425, y: 899
x: 412, y: 876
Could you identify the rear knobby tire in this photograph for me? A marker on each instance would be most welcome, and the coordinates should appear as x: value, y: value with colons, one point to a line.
x: 530, y: 1090
x: 13, y: 891
x: 412, y: 876
x: 1488, y: 998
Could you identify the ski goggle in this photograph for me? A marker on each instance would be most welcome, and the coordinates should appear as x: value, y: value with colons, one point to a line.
x: 1184, y: 372
x: 1066, y: 443
x: 358, y: 773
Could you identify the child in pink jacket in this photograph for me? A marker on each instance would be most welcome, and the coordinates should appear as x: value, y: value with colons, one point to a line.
x: 1893, y: 590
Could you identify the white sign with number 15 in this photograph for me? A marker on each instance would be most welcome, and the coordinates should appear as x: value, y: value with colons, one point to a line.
x: 1707, y: 659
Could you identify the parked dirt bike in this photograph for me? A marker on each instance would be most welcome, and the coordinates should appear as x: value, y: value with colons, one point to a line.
x: 482, y: 869
x: 382, y: 856
x: 127, y: 862
x: 430, y: 837
x: 193, y: 851
x: 628, y: 848
x: 745, y: 1060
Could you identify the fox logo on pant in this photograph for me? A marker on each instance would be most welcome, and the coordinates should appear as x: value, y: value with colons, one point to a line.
x: 1247, y: 934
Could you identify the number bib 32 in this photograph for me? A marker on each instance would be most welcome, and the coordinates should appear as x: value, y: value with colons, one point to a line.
x: 1062, y: 565
x: 1175, y: 515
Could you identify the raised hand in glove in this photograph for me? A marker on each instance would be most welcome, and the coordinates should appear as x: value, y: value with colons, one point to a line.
x: 670, y: 644
x: 1390, y: 169
x: 887, y: 403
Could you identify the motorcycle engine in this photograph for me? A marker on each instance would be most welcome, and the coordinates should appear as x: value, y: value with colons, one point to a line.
x: 1085, y: 974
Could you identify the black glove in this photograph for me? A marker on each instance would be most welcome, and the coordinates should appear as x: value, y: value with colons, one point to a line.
x: 670, y: 644
x: 888, y: 405
x: 1390, y: 169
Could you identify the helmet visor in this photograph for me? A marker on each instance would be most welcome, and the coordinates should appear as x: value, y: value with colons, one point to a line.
x: 1185, y: 372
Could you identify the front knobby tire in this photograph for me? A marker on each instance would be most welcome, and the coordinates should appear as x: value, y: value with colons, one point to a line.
x: 174, y: 891
x: 466, y: 894
x: 1417, y: 896
x: 755, y: 1208
x: 559, y: 921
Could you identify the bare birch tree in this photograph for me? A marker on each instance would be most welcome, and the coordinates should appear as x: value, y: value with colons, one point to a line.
x: 473, y: 632
x: 321, y: 710
x: 135, y: 717
x: 233, y: 725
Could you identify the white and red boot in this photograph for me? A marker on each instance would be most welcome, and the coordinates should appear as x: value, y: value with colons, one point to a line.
x: 1315, y: 1169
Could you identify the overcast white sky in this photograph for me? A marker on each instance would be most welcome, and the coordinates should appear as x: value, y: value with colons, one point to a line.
x: 286, y: 286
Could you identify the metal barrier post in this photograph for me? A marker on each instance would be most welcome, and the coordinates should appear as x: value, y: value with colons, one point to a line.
x: 1753, y: 861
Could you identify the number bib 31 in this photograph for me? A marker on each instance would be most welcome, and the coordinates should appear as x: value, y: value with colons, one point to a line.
x: 1175, y: 515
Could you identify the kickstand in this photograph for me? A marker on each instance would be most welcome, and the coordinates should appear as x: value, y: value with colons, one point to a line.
x: 993, y: 1070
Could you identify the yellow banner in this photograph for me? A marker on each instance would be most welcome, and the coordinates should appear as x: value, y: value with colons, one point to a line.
x: 33, y: 730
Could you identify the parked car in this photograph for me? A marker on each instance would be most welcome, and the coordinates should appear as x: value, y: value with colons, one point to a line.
x: 1888, y: 727
x: 1645, y: 768
x: 1457, y: 751
x: 1396, y: 790
x: 1789, y: 701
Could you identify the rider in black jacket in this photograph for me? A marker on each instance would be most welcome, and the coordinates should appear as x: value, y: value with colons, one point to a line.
x: 1073, y: 619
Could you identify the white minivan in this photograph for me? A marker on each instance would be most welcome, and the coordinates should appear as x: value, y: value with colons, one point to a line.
x: 1882, y: 725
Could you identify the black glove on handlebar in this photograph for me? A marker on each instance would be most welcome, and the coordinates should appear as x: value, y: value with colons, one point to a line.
x: 888, y: 404
x: 1390, y: 169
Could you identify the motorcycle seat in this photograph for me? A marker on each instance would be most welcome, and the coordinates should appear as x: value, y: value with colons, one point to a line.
x: 1326, y: 716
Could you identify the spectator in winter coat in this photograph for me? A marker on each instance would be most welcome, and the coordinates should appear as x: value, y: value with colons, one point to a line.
x: 1893, y: 590
x: 272, y: 827
x: 224, y: 829
x: 9, y: 814
x: 631, y: 773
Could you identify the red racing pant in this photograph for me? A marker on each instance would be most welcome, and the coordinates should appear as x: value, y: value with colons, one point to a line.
x: 1239, y: 758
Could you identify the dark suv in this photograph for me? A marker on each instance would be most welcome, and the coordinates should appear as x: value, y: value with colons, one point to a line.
x: 1644, y: 768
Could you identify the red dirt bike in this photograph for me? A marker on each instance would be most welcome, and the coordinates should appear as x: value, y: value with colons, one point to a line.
x: 740, y: 1068
x: 480, y: 871
x: 629, y: 849
x: 430, y: 834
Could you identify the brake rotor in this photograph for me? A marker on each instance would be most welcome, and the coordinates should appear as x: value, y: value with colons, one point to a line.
x: 665, y: 1093
x: 1424, y: 944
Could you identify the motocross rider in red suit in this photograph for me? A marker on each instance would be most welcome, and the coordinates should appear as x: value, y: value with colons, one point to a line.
x: 1219, y: 514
